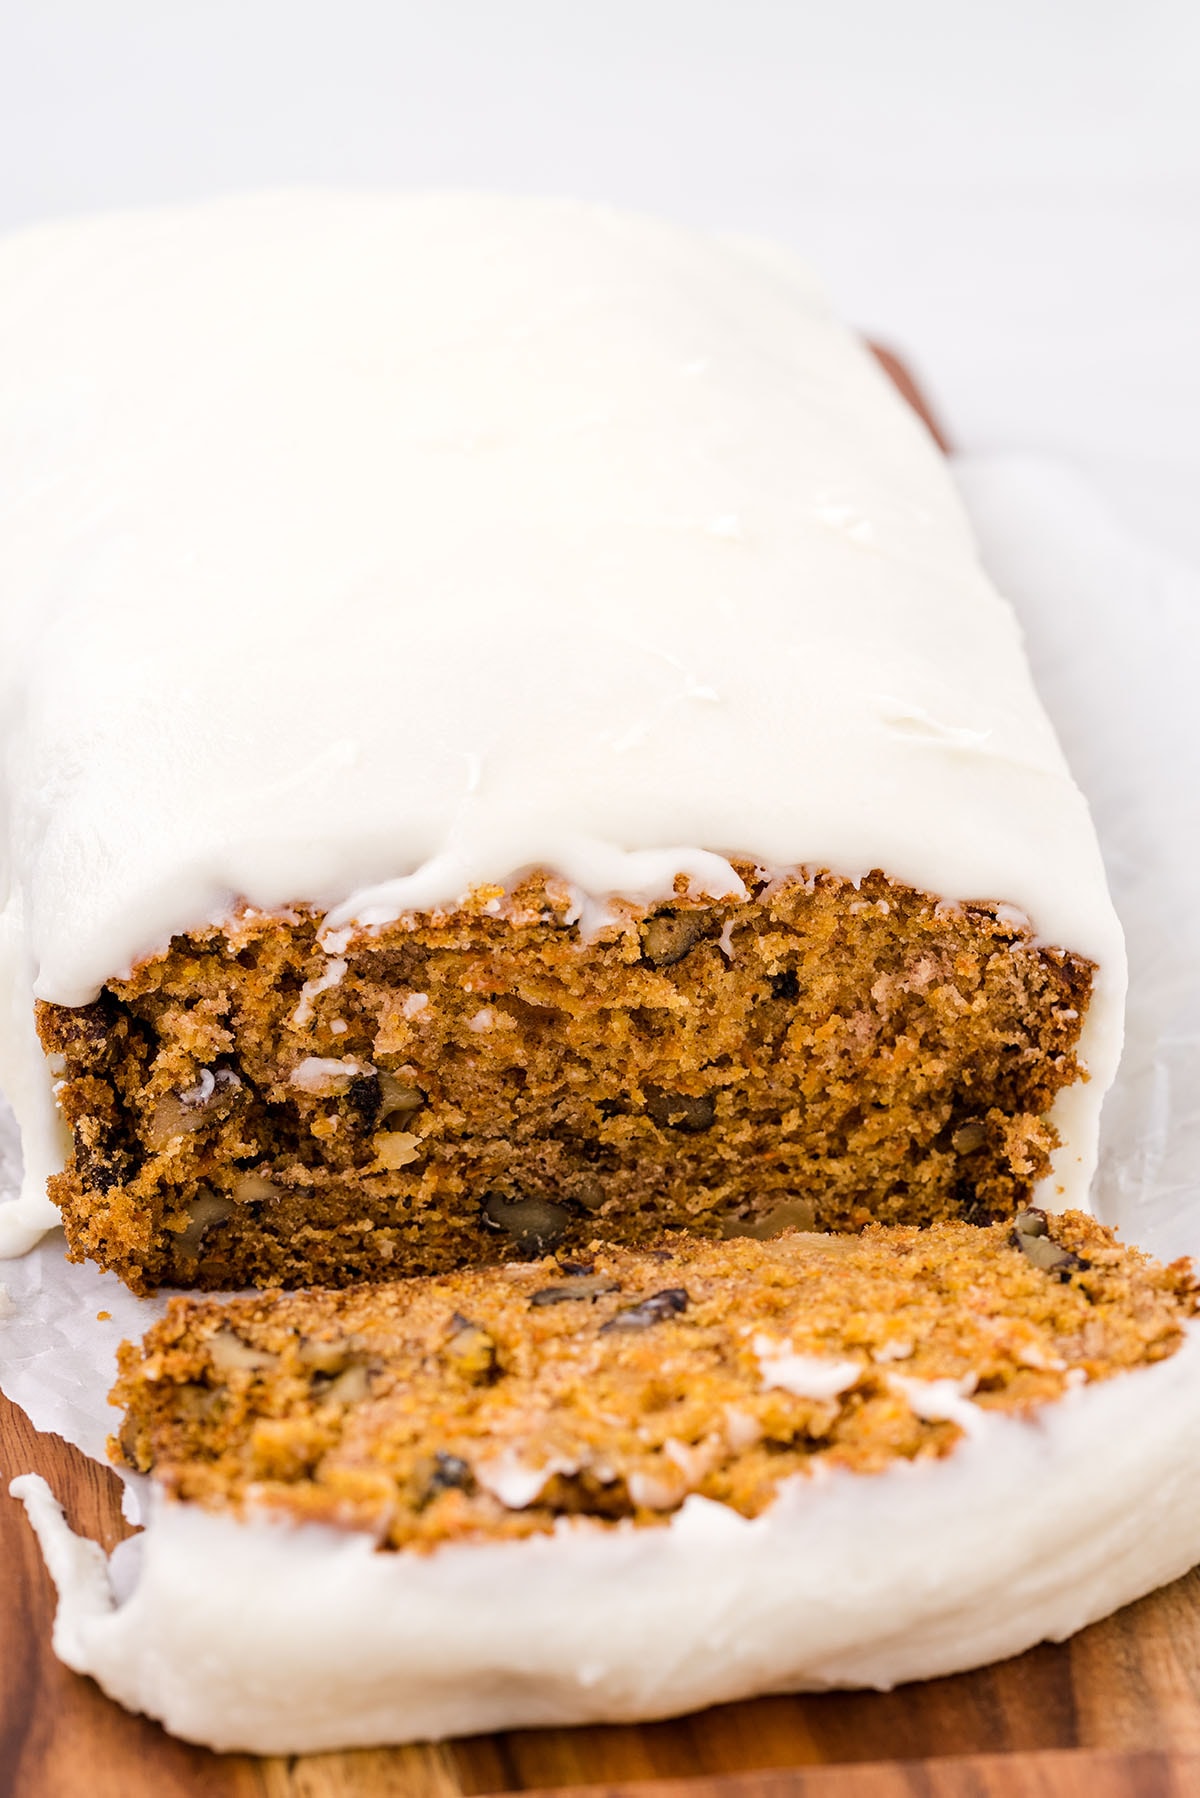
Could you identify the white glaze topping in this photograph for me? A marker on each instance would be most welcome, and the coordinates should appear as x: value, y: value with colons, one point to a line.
x: 355, y: 550
x: 808, y: 1376
x: 264, y: 1636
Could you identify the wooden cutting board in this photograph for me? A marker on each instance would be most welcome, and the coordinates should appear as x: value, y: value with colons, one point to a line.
x: 1115, y: 1713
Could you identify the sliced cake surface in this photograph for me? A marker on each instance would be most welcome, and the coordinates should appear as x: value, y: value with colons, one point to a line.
x: 485, y: 1086
x: 491, y: 1403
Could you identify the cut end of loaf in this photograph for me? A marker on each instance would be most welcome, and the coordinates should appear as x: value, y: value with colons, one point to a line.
x: 490, y: 1084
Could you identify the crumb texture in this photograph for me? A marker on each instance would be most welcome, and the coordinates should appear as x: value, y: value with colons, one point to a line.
x: 490, y: 1084
x: 491, y: 1403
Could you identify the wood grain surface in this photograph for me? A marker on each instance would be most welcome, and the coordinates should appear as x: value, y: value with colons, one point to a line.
x: 1113, y: 1714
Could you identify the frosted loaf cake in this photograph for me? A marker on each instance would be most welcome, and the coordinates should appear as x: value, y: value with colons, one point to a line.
x: 508, y: 742
x: 514, y: 777
x: 659, y: 1479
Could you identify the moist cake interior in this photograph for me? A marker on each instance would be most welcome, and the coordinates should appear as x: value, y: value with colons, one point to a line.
x: 493, y: 1402
x: 495, y: 1083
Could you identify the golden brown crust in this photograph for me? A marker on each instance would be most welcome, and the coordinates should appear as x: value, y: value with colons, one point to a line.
x: 628, y: 1380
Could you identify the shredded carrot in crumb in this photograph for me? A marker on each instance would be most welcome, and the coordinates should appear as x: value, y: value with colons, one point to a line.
x: 618, y: 1383
x: 867, y: 1053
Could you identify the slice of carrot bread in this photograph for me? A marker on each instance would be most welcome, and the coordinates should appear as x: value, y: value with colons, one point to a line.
x: 252, y: 1106
x: 491, y: 1403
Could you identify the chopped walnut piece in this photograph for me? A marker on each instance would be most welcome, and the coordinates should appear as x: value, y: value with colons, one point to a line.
x: 328, y: 1355
x: 396, y: 1096
x: 587, y: 1286
x: 534, y: 1224
x: 228, y: 1351
x: 792, y: 1214
x: 653, y: 1310
x: 1031, y: 1234
x: 471, y: 1352
x: 449, y: 1473
x: 669, y: 936
x: 349, y: 1387
x: 179, y: 1114
x: 681, y: 1111
x: 207, y: 1209
x: 253, y: 1189
x: 970, y: 1137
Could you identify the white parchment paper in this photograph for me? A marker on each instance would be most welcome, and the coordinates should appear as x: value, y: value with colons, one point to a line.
x: 1114, y: 636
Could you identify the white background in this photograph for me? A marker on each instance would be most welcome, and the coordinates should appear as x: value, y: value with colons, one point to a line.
x: 1009, y: 192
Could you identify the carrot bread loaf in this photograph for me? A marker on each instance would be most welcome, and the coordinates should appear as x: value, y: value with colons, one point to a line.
x: 639, y: 1482
x: 507, y: 740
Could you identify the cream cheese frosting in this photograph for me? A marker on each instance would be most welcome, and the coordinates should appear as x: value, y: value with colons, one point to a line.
x: 277, y: 1638
x: 358, y: 549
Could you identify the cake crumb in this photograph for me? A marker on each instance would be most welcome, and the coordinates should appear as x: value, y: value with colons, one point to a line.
x: 815, y: 1050
x: 616, y: 1385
